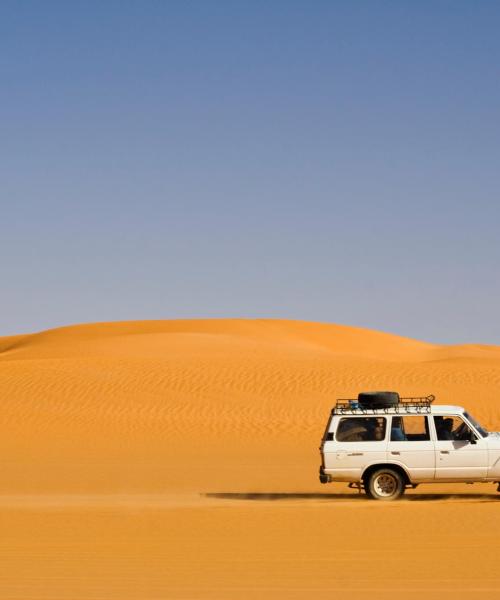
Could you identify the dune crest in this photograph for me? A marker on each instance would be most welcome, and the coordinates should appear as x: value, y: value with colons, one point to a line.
x: 109, y: 338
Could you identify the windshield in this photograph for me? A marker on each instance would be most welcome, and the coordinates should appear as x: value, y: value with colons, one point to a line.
x: 481, y: 429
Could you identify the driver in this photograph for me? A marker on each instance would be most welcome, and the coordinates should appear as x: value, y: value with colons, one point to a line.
x: 444, y: 427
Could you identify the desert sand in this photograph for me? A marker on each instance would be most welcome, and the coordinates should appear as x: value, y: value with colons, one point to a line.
x: 179, y: 459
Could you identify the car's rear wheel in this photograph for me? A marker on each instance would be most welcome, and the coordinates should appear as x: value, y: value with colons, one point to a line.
x: 385, y: 484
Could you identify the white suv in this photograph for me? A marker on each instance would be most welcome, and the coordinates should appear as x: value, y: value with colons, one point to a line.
x: 385, y: 444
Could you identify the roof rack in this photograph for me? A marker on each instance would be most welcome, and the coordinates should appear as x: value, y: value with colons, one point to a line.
x: 413, y: 404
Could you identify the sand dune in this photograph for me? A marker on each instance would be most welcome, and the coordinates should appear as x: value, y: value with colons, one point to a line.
x: 162, y: 413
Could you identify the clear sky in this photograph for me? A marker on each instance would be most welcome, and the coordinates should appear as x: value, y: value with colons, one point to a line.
x: 327, y: 161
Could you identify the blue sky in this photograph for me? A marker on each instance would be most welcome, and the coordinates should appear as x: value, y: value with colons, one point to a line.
x: 325, y: 161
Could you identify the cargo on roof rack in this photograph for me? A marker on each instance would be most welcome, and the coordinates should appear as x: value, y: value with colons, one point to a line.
x: 378, y: 399
x: 369, y: 402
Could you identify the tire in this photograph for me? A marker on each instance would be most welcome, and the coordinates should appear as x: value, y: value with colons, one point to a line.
x: 385, y: 484
x: 378, y: 399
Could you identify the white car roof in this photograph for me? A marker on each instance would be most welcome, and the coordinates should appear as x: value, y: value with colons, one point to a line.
x: 446, y: 409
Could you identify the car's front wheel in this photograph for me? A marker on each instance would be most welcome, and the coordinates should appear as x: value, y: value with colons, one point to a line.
x: 385, y: 484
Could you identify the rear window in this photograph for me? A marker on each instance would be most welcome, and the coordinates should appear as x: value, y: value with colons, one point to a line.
x: 361, y: 429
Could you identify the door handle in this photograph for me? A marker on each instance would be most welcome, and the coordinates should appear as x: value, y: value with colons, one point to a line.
x: 355, y: 454
x: 396, y: 453
x: 445, y: 451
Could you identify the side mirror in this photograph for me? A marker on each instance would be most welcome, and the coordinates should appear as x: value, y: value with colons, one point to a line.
x: 472, y: 438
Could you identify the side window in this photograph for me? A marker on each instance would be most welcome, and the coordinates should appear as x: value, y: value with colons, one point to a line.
x: 409, y: 429
x: 361, y: 429
x: 451, y: 428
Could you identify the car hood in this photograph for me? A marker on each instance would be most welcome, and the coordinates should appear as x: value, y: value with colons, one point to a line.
x: 494, y: 439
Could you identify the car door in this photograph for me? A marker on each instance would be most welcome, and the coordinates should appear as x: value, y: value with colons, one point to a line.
x: 410, y: 445
x: 457, y: 457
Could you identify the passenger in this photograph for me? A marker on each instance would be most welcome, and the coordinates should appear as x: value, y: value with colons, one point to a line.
x: 379, y: 431
x: 397, y: 434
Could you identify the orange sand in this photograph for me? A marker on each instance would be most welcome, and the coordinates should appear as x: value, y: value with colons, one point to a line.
x: 178, y: 459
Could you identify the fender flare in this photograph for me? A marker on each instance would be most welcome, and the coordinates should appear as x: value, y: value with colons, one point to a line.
x: 387, y: 463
